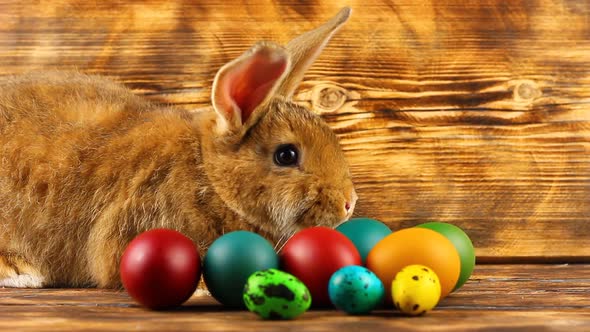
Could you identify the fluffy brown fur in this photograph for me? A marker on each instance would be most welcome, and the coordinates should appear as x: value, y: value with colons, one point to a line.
x: 85, y: 165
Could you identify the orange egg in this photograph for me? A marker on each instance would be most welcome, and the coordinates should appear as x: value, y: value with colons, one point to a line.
x: 415, y: 246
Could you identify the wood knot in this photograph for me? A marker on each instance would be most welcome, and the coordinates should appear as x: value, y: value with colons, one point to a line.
x: 328, y: 98
x: 526, y: 91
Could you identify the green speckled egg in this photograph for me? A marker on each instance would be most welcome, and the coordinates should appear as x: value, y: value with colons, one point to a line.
x: 274, y: 294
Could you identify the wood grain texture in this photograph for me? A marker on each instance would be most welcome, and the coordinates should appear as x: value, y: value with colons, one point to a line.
x: 470, y: 112
x: 497, y: 298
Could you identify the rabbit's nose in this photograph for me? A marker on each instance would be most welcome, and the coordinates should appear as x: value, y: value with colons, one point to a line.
x: 350, y: 201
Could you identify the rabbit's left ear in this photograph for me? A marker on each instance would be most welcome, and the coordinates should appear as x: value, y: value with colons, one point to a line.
x: 244, y: 84
x: 305, y: 48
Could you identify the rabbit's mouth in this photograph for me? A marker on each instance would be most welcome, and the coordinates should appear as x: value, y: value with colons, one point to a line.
x: 309, y: 218
x: 311, y: 211
x: 306, y: 217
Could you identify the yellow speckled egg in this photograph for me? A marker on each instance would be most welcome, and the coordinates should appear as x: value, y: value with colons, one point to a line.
x: 415, y: 290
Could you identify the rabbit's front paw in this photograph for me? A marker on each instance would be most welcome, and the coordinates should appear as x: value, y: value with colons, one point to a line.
x: 16, y: 272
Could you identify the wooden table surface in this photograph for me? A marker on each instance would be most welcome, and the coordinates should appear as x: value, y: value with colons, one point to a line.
x: 496, y: 298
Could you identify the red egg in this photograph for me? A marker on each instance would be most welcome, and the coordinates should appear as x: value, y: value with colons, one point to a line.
x: 313, y: 255
x: 160, y: 268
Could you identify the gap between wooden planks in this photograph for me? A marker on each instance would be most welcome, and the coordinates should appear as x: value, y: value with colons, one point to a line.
x: 497, y: 297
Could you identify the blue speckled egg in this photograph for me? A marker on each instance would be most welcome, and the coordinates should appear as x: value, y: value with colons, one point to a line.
x: 355, y: 290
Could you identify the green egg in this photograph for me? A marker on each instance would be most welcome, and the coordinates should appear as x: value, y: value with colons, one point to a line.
x: 274, y: 294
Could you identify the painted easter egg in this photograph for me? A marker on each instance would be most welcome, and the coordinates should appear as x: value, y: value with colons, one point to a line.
x: 463, y: 245
x: 415, y: 290
x: 355, y: 290
x: 313, y: 255
x: 231, y: 259
x: 274, y: 294
x: 365, y: 233
x: 416, y: 246
x: 160, y: 268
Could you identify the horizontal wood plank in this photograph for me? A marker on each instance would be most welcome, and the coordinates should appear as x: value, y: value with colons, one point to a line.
x: 498, y: 297
x: 475, y: 113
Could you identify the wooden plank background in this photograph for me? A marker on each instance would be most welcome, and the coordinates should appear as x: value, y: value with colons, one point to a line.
x: 470, y: 112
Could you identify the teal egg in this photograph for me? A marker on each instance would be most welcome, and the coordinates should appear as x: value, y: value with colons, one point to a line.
x: 231, y: 259
x: 364, y: 233
x: 463, y: 245
x: 355, y: 290
x: 274, y: 294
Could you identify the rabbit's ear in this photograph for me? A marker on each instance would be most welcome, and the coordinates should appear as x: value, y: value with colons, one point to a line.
x: 242, y: 85
x: 305, y: 48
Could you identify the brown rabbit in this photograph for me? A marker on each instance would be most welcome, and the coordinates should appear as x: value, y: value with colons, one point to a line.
x: 85, y: 165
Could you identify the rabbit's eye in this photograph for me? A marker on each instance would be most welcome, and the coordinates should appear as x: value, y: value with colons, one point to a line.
x: 286, y: 155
